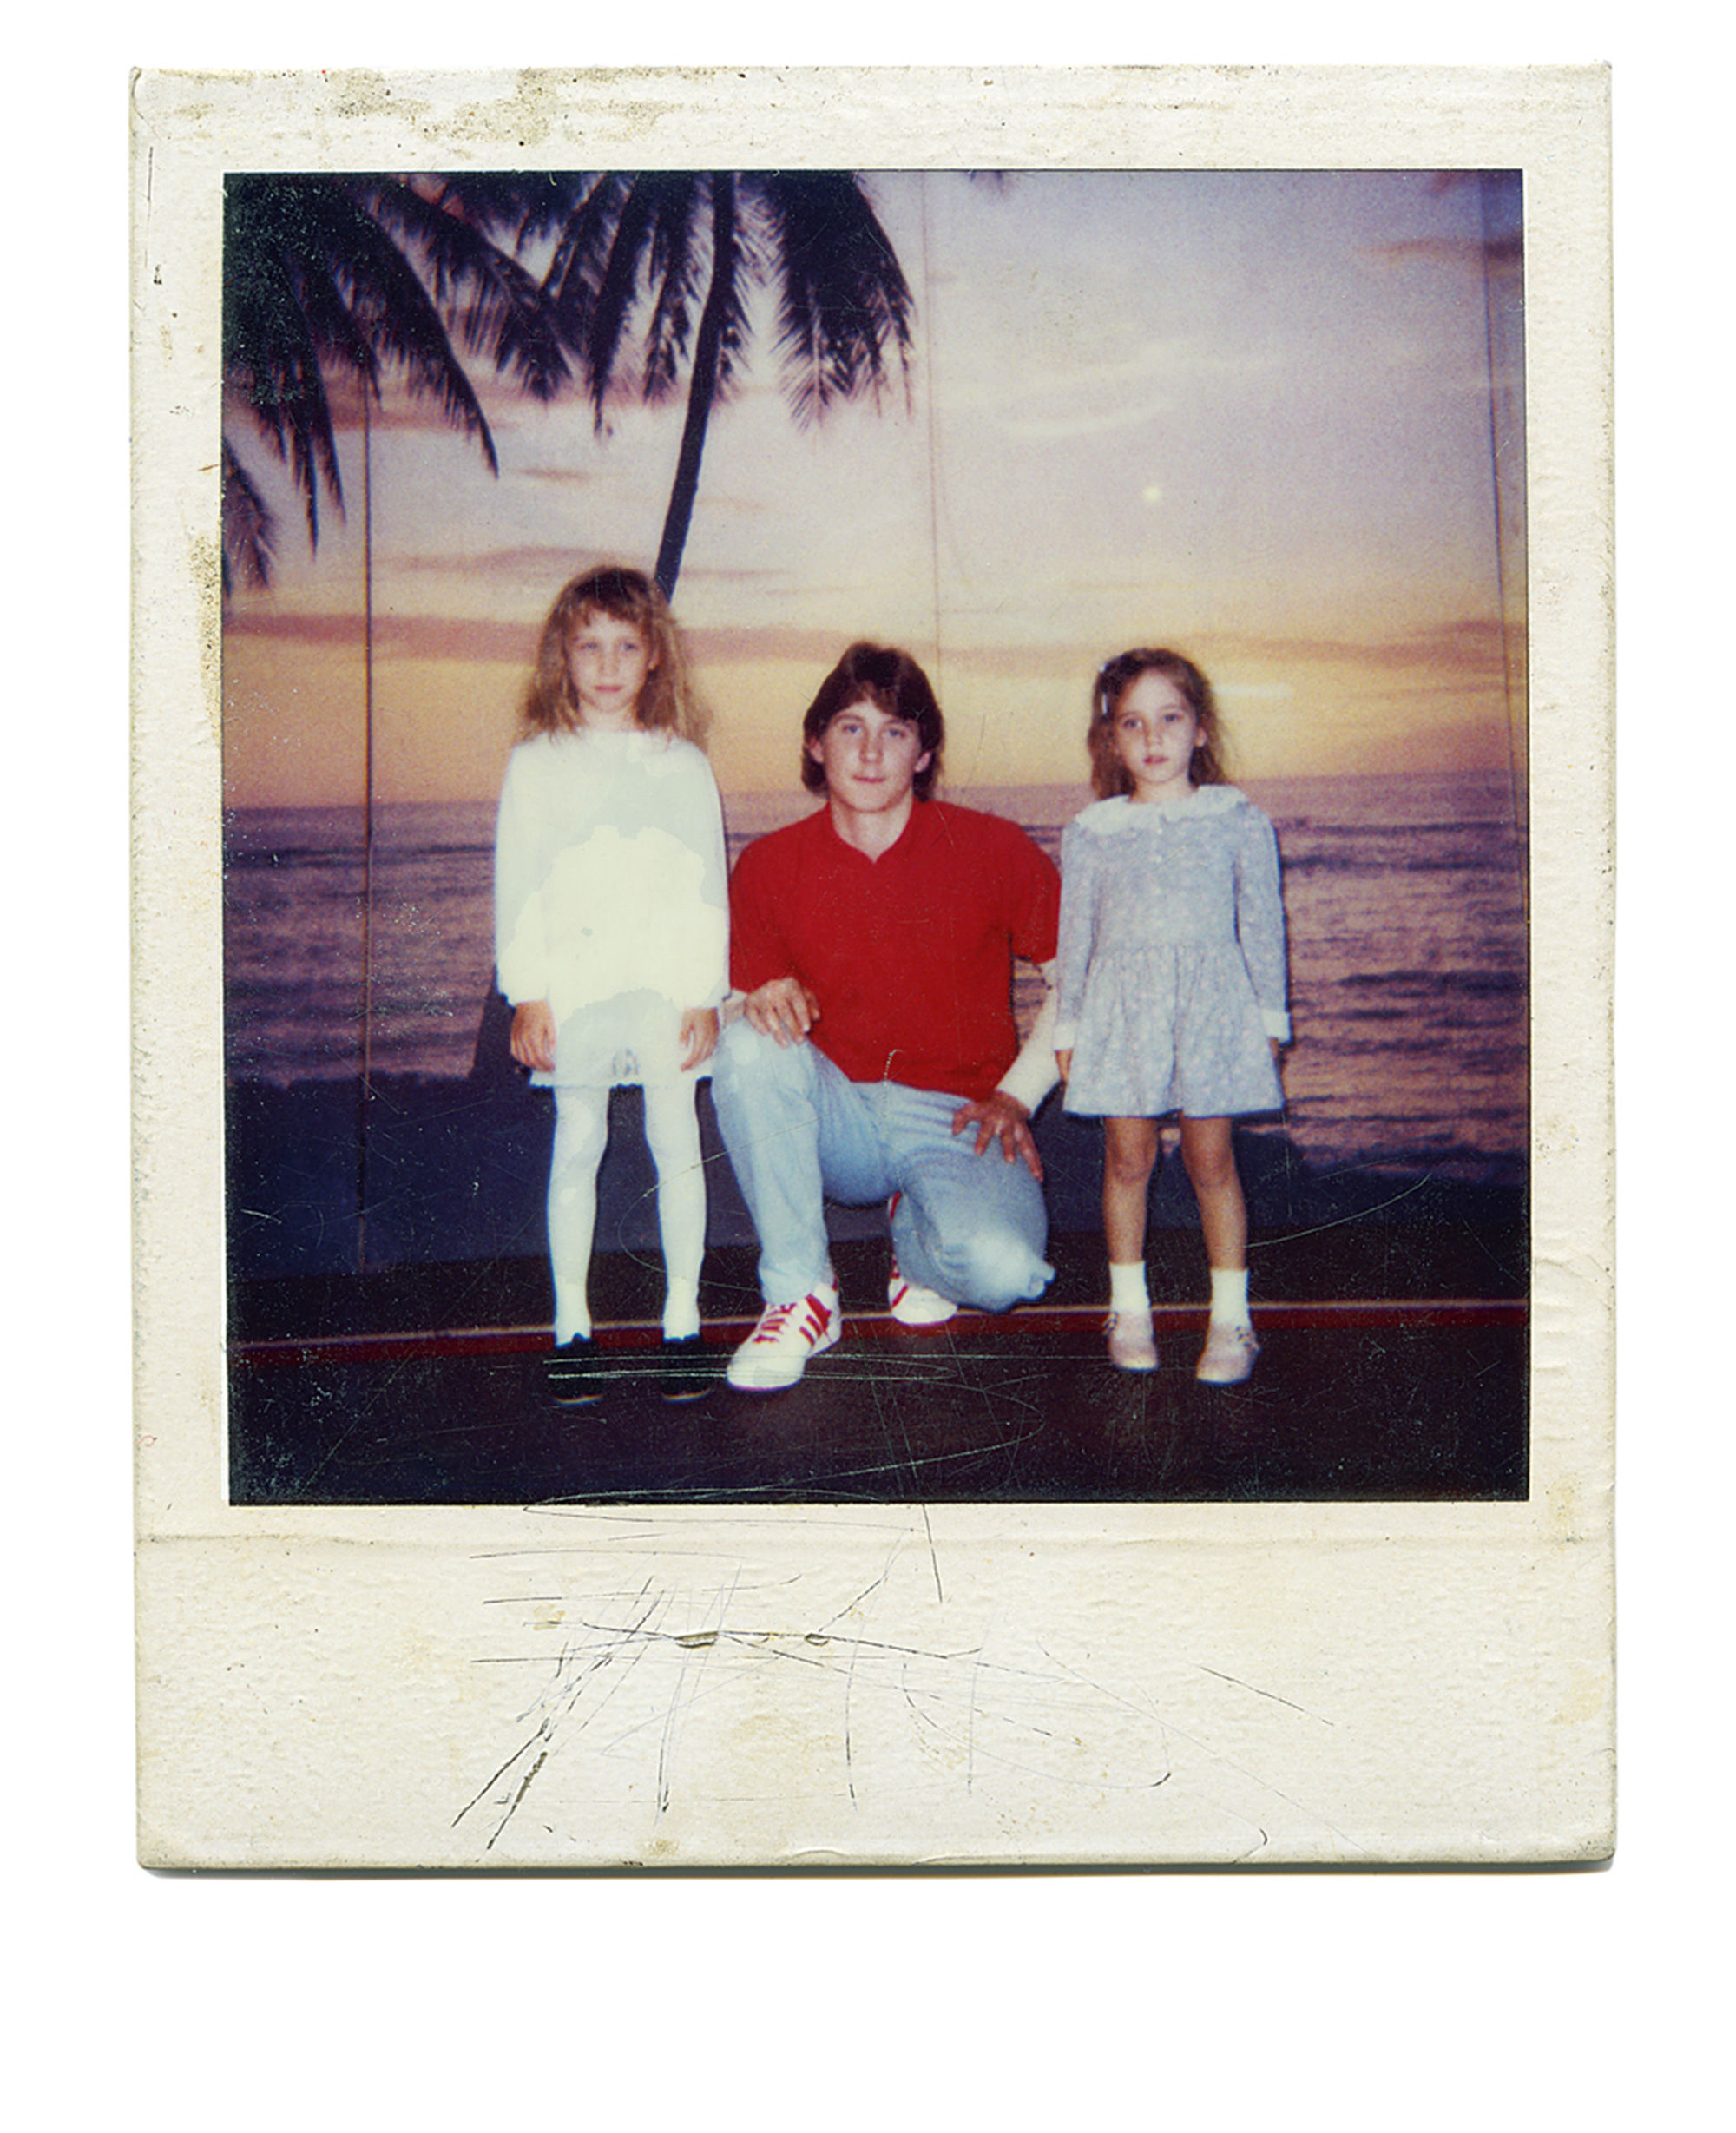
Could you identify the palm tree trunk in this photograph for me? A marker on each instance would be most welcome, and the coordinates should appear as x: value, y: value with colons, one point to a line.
x: 702, y: 386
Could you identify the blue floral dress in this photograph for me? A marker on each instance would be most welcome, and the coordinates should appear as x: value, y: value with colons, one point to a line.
x: 1172, y: 957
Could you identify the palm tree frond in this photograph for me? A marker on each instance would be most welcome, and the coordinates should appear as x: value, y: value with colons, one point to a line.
x: 521, y: 205
x: 494, y: 300
x: 249, y: 525
x: 361, y: 275
x: 613, y: 285
x: 383, y: 298
x: 842, y: 298
x: 597, y: 250
x: 327, y: 275
x: 674, y: 271
x: 583, y: 238
x: 270, y: 348
x: 738, y: 262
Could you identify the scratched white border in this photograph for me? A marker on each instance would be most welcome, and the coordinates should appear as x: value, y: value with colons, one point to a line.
x: 1348, y: 1682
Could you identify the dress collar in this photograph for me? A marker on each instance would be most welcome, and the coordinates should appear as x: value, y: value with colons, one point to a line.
x: 1105, y: 817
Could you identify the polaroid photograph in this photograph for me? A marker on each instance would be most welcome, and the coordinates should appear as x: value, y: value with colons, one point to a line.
x: 872, y: 912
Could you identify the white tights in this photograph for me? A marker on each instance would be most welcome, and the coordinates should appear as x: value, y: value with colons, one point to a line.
x: 672, y: 1130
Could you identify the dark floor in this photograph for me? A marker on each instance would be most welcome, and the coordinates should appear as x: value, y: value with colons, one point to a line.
x: 1394, y: 1368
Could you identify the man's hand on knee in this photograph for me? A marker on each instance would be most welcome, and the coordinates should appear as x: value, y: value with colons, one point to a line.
x: 783, y: 1009
x: 1003, y: 1118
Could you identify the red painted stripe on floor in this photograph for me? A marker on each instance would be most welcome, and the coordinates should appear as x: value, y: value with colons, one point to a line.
x: 1076, y: 1319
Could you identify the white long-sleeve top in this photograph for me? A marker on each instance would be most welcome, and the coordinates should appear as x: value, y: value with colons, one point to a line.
x: 611, y: 899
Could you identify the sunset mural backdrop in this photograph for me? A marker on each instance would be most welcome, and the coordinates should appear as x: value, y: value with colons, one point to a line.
x: 1274, y: 418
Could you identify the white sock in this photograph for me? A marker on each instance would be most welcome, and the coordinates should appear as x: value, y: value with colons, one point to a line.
x: 1230, y: 1296
x: 1127, y: 1291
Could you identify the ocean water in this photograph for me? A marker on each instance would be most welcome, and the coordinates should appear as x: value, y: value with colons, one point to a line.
x: 1404, y: 896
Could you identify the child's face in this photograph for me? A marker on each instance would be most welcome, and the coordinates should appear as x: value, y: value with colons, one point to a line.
x: 871, y: 759
x: 1156, y: 731
x: 608, y: 662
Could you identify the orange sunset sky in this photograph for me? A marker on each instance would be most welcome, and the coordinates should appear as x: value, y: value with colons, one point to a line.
x: 1270, y: 417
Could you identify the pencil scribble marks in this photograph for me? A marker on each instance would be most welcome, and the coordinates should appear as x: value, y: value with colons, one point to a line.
x: 640, y: 1665
x: 683, y: 1674
x: 574, y: 1674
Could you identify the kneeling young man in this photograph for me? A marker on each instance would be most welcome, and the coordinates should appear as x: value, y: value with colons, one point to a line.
x: 876, y: 1058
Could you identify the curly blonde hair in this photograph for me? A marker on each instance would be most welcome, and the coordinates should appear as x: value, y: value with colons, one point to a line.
x: 668, y: 703
x: 1109, y: 775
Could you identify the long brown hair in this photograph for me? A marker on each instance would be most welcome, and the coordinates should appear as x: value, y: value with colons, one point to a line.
x: 668, y: 703
x: 1109, y: 775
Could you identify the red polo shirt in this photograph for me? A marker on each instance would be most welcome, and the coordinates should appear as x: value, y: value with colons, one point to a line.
x: 910, y: 955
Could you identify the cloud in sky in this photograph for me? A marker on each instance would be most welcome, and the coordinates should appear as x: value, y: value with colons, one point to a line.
x: 1066, y: 429
x: 471, y: 640
x: 1039, y: 401
x: 344, y: 627
x: 583, y: 475
x: 1471, y: 648
x: 1473, y: 254
x: 540, y: 560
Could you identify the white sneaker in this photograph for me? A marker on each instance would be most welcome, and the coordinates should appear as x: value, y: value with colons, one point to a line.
x: 913, y: 1305
x: 776, y: 1353
x: 1132, y: 1343
x: 1227, y: 1357
x: 909, y: 1303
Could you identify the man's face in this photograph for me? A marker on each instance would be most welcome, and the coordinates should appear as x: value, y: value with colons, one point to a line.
x: 871, y: 759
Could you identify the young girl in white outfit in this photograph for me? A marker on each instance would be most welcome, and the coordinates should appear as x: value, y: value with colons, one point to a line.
x: 1172, y: 983
x: 611, y: 934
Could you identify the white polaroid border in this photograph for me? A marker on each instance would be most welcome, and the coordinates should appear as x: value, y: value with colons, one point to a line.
x: 1343, y: 1683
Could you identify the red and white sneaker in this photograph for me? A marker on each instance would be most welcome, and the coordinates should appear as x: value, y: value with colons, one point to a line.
x: 909, y: 1303
x: 776, y: 1353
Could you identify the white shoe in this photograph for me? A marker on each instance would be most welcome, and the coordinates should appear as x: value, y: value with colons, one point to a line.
x: 1228, y: 1356
x: 909, y: 1303
x: 1132, y: 1345
x: 776, y: 1353
x: 913, y: 1305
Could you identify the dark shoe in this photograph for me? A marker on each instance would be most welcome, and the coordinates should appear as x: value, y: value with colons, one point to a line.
x: 575, y: 1373
x: 686, y: 1370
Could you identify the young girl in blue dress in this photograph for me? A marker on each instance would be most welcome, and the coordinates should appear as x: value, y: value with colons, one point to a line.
x: 1171, y: 981
x: 611, y: 934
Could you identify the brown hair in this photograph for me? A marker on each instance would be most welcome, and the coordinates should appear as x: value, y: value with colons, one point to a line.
x: 668, y: 703
x: 877, y: 674
x: 1109, y: 775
